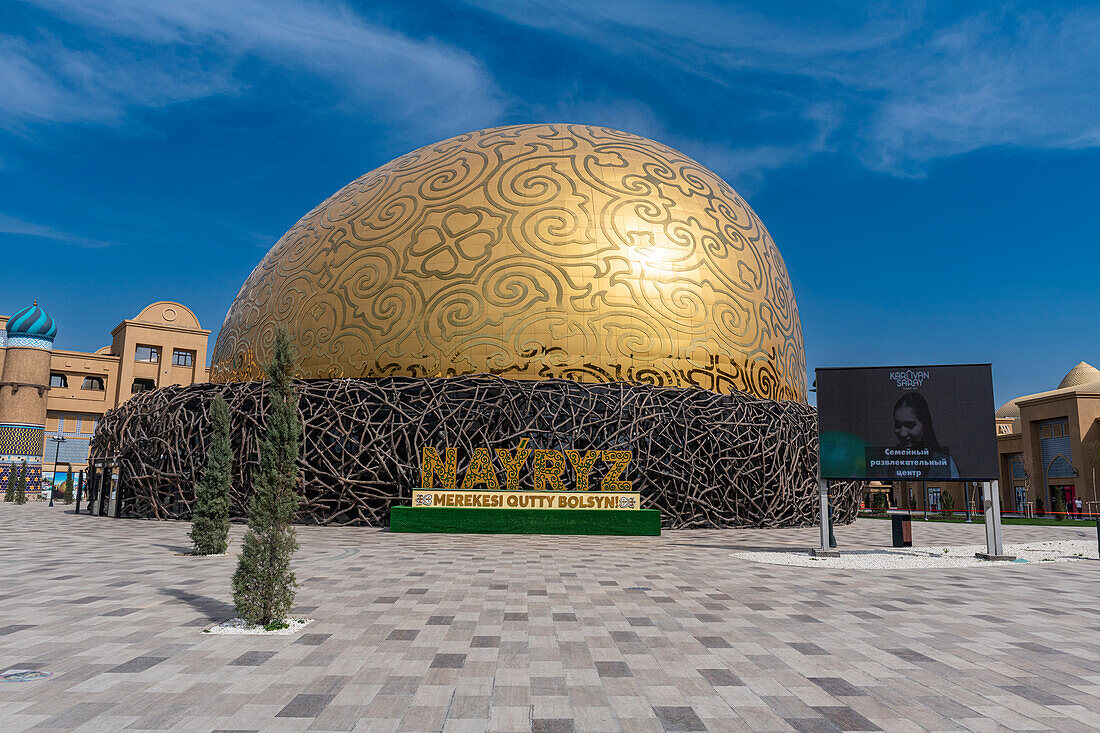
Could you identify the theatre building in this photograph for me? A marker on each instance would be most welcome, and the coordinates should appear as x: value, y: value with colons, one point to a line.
x: 51, y: 399
x: 1048, y: 447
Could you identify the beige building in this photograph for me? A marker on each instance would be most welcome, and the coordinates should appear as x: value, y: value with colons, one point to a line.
x: 1048, y: 447
x: 51, y: 399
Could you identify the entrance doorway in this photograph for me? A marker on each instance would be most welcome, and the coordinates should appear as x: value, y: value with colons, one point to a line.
x: 103, y: 498
x: 1021, y: 500
x: 1067, y: 495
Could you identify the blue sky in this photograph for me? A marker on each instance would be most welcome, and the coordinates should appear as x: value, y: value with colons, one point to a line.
x: 929, y: 171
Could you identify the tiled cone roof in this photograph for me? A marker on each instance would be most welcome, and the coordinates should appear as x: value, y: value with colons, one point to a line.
x: 1080, y: 375
x: 32, y: 321
x: 1083, y: 376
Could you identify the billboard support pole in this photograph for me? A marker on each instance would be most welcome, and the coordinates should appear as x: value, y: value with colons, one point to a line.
x: 991, y: 503
x: 823, y: 501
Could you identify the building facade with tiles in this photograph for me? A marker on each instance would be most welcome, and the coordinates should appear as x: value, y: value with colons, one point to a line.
x: 51, y: 400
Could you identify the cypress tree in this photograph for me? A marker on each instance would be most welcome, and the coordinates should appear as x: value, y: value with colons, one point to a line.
x: 21, y: 487
x: 210, y: 519
x: 68, y: 498
x: 947, y: 503
x: 9, y: 492
x: 264, y: 586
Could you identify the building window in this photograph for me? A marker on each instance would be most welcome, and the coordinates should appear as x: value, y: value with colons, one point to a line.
x: 183, y: 358
x: 1016, y: 464
x: 148, y: 354
x: 142, y: 385
x: 93, y: 383
x: 58, y: 380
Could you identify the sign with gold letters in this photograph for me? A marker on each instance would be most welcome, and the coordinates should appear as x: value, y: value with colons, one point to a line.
x: 525, y: 499
x: 561, y: 479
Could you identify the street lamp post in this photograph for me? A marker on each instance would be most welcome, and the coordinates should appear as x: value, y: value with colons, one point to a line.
x: 58, y: 439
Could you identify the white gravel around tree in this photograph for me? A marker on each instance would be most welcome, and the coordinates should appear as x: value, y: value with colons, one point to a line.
x: 957, y: 556
x: 240, y: 627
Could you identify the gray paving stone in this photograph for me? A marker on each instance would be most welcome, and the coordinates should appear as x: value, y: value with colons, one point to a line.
x: 713, y: 642
x: 312, y: 639
x: 812, y: 725
x: 448, y: 661
x: 613, y: 669
x: 721, y: 677
x: 137, y: 664
x: 403, y: 634
x: 837, y: 687
x: 678, y: 718
x: 546, y: 629
x: 553, y: 725
x: 252, y: 659
x: 305, y: 705
x: 846, y: 718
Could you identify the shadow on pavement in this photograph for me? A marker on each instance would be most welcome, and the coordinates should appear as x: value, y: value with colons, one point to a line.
x: 213, y: 609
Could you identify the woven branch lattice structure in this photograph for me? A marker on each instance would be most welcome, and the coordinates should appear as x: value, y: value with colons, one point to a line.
x: 703, y: 459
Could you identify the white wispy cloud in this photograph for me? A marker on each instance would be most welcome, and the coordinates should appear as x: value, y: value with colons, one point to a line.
x: 135, y: 54
x: 750, y: 162
x: 902, y: 90
x: 1026, y: 81
x: 15, y: 225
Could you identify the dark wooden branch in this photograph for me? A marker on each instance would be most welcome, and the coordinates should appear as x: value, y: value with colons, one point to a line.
x: 704, y: 459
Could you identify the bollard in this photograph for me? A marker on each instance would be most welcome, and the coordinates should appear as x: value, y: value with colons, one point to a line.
x: 832, y: 537
x: 902, y: 529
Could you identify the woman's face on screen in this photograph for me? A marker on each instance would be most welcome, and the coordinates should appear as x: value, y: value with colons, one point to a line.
x: 907, y: 428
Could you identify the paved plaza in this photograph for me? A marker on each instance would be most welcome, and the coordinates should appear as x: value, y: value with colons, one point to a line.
x: 510, y: 633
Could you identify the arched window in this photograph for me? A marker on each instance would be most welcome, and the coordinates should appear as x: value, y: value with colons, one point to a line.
x: 1060, y: 467
x: 93, y: 383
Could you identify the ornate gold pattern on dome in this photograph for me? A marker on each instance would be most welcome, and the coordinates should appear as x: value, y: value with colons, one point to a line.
x: 530, y: 251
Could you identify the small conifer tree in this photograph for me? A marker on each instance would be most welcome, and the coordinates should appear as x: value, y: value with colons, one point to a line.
x: 947, y: 503
x: 21, y: 487
x: 9, y: 492
x: 210, y: 520
x: 1058, y: 505
x: 264, y: 585
x: 68, y: 497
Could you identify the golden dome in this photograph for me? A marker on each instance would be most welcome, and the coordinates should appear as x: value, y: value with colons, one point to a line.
x: 529, y: 251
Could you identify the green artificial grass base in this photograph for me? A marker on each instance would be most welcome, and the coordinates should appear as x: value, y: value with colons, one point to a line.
x: 468, y: 520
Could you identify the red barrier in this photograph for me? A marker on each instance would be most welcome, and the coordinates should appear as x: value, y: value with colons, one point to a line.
x: 932, y: 512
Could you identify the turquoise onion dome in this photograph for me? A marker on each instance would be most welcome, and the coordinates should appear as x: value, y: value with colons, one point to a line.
x: 34, y: 322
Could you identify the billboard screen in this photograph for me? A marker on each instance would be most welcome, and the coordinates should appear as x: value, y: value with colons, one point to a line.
x: 907, y: 423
